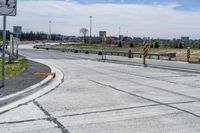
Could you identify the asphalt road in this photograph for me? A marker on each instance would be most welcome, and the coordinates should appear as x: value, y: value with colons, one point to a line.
x: 98, y: 97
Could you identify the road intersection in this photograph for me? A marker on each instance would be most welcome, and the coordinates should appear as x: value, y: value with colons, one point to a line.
x: 110, y: 98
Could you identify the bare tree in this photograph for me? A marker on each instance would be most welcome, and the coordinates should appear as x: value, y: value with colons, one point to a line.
x: 84, y: 31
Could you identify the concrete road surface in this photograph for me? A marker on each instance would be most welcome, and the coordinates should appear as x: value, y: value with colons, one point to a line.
x: 99, y: 97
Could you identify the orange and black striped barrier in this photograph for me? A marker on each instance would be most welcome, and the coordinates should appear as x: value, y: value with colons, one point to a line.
x: 145, y: 50
x: 188, y: 54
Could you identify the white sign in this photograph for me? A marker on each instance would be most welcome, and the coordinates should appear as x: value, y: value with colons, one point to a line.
x: 17, y: 30
x: 8, y: 7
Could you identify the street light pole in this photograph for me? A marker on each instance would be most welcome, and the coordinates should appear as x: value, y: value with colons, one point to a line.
x: 50, y: 30
x: 90, y: 29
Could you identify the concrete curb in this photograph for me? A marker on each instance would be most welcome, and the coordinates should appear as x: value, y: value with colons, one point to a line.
x: 163, y: 67
x: 33, y: 92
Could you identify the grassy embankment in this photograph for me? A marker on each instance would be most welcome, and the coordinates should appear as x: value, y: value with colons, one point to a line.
x: 13, y: 68
x: 181, y: 53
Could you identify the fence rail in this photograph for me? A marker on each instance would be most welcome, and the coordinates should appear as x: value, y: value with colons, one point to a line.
x: 100, y: 52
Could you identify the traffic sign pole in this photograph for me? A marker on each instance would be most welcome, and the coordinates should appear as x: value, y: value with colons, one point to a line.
x: 7, y: 8
x: 3, y: 52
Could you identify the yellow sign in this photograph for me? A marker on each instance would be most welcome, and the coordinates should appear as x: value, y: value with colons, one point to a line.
x: 146, y: 49
x: 188, y: 53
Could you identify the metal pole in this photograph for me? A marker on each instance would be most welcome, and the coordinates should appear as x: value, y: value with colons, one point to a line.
x: 102, y: 48
x: 17, y: 52
x: 90, y: 27
x: 10, y: 54
x: 13, y: 47
x: 49, y: 30
x: 3, y: 51
x: 119, y: 32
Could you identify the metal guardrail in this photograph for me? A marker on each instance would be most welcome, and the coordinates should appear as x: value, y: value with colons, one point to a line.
x: 100, y: 52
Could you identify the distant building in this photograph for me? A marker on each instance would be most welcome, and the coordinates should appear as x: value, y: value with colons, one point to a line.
x: 185, y: 39
x: 139, y: 39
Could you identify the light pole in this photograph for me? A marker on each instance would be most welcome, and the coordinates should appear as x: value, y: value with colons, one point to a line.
x: 119, y: 31
x: 50, y: 30
x: 90, y: 28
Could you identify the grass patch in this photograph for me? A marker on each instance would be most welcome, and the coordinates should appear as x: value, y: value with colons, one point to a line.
x: 181, y: 53
x: 13, y: 68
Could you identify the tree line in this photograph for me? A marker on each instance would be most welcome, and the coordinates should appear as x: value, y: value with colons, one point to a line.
x: 33, y: 36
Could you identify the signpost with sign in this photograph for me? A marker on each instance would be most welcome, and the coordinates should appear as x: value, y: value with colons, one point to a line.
x: 102, y: 34
x: 17, y: 30
x: 7, y: 8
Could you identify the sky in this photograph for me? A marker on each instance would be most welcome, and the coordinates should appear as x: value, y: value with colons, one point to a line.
x: 136, y: 18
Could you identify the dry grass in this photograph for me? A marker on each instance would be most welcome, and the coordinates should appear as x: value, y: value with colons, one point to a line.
x: 181, y: 53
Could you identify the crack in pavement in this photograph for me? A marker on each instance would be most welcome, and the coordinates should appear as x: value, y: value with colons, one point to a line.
x: 109, y: 110
x: 157, y: 88
x: 94, y: 112
x: 132, y: 94
x: 157, y: 78
x: 50, y: 118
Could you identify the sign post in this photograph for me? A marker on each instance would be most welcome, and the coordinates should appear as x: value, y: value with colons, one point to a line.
x: 145, y: 50
x: 7, y: 8
x: 103, y: 37
x: 104, y: 41
x: 17, y: 30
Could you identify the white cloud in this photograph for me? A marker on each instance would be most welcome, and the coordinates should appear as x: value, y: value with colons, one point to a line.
x: 68, y: 17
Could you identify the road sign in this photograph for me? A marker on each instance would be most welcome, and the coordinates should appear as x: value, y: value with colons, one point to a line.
x: 145, y: 50
x: 8, y: 7
x: 188, y: 54
x: 102, y: 34
x: 17, y: 30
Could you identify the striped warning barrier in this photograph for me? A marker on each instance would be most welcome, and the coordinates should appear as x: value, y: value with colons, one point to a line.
x: 188, y: 54
x: 145, y: 50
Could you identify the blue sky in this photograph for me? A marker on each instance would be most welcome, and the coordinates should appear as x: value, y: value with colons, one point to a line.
x: 183, y: 4
x: 136, y: 18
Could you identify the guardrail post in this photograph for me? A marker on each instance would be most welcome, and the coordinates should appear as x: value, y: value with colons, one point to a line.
x: 129, y: 54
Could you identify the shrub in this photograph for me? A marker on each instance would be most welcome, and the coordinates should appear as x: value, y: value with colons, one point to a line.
x: 157, y: 45
x: 131, y: 44
x: 120, y: 44
x: 151, y: 45
x: 180, y: 45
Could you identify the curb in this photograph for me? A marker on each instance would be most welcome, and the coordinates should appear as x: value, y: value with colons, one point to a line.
x: 163, y: 67
x: 33, y: 92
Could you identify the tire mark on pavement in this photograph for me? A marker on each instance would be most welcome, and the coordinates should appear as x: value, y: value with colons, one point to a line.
x: 50, y: 118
